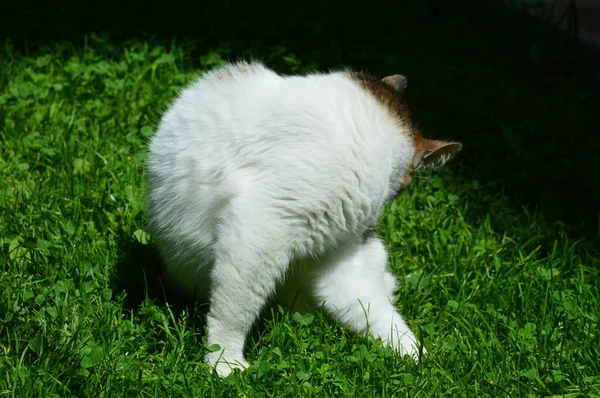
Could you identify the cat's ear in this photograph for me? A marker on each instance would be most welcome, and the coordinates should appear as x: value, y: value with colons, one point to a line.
x: 397, y: 82
x: 433, y: 153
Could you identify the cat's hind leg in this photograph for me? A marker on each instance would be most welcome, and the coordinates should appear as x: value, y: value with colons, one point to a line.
x: 250, y: 258
x: 357, y: 289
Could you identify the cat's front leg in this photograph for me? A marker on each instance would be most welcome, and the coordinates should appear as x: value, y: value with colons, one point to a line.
x: 357, y: 289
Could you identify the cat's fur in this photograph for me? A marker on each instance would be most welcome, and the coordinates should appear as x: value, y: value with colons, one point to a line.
x: 264, y: 185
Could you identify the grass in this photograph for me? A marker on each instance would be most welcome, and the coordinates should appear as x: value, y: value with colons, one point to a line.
x: 506, y: 300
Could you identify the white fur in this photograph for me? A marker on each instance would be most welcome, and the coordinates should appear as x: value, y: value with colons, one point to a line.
x: 262, y: 184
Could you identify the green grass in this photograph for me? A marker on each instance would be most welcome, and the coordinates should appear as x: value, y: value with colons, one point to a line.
x: 506, y: 301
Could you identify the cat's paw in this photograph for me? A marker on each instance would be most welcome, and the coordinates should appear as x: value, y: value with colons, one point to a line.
x: 224, y: 369
x: 406, y: 345
x: 409, y: 346
x: 224, y: 365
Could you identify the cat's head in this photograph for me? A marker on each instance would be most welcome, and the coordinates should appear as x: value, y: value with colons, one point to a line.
x: 430, y: 154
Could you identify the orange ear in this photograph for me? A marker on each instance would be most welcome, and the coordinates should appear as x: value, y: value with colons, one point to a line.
x: 433, y: 153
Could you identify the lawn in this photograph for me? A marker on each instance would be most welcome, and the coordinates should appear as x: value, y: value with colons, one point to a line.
x: 496, y: 254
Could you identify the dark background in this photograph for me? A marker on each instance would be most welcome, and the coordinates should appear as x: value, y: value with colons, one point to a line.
x: 523, y: 98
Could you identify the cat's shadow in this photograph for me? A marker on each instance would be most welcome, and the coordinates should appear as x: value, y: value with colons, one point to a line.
x: 138, y: 274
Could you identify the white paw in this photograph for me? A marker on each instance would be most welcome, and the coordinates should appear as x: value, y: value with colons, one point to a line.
x: 225, y: 365
x: 406, y: 344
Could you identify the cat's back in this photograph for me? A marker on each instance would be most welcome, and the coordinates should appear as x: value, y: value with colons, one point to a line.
x: 198, y: 139
x: 231, y: 86
x: 212, y: 107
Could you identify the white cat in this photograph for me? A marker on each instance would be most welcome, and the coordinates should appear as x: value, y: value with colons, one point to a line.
x: 266, y: 186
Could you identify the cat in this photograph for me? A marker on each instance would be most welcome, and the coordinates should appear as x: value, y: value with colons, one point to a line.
x: 266, y: 186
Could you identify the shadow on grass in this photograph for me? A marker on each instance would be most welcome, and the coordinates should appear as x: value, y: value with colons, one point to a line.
x: 138, y: 274
x: 516, y: 93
